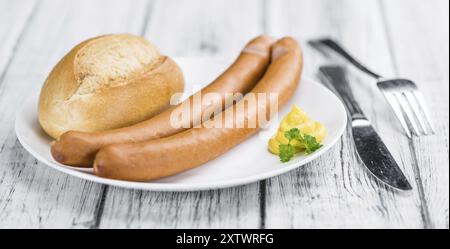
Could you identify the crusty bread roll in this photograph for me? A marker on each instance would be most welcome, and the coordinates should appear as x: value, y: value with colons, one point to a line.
x: 107, y: 82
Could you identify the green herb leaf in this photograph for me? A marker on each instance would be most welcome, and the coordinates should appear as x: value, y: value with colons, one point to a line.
x: 292, y: 134
x: 310, y: 143
x: 287, y: 151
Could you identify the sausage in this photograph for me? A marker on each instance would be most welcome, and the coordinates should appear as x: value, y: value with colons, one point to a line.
x: 167, y: 156
x: 77, y: 148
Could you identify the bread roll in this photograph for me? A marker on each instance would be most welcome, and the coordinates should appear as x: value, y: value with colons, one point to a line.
x: 107, y: 82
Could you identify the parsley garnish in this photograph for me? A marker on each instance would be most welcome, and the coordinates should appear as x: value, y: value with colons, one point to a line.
x: 287, y: 151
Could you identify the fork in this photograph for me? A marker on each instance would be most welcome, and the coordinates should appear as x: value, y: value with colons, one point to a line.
x: 403, y: 95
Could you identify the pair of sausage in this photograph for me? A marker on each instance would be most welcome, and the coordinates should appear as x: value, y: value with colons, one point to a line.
x: 185, y: 150
x: 149, y: 159
x: 77, y: 148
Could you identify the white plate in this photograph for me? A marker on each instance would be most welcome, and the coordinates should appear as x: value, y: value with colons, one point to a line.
x: 248, y: 162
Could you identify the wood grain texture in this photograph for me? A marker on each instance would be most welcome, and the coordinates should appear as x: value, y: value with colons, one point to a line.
x: 31, y: 194
x: 204, y: 28
x: 336, y: 191
x: 396, y: 38
x: 420, y: 51
x: 194, y: 28
x: 13, y: 23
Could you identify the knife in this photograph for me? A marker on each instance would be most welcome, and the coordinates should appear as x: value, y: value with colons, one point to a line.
x: 369, y: 146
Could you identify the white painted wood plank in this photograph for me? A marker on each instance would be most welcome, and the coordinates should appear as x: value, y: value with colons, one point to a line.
x: 328, y: 193
x: 31, y: 194
x: 419, y: 34
x: 229, y: 208
x: 12, y: 23
x: 204, y: 28
x: 193, y: 28
x: 336, y: 191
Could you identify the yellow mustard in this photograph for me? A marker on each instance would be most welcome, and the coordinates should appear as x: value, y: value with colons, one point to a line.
x: 296, y: 118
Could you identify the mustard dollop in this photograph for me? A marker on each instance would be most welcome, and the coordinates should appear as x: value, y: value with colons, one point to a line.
x: 296, y: 118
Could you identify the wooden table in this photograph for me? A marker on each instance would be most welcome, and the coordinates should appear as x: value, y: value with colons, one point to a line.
x: 407, y: 38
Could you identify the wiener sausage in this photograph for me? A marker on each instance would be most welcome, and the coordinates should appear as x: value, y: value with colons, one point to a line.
x: 167, y: 156
x: 79, y: 148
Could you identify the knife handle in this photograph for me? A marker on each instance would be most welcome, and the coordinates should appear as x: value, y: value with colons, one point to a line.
x: 342, y: 52
x: 336, y: 76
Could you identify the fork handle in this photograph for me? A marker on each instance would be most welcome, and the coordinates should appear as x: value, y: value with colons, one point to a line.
x: 337, y: 78
x: 341, y: 51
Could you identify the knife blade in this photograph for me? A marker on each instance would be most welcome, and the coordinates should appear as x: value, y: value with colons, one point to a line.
x: 370, y: 148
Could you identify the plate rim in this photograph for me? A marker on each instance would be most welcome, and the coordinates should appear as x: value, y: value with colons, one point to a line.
x: 186, y: 187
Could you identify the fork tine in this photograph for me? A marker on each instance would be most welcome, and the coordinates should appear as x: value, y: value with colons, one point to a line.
x: 390, y: 97
x: 401, y: 98
x: 417, y: 111
x: 424, y: 109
